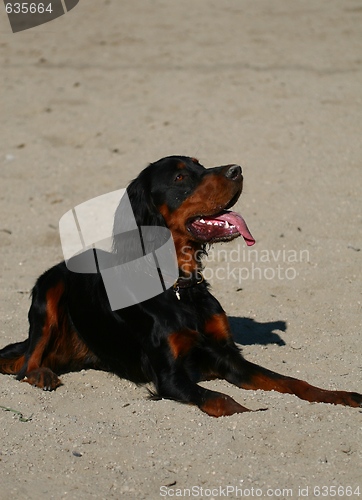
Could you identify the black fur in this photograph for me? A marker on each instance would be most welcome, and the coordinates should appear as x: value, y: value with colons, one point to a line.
x: 169, y: 341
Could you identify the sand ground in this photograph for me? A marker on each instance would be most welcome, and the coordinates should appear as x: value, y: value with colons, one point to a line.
x: 86, y: 102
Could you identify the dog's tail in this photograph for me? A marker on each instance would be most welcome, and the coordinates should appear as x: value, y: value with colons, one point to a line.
x: 12, y: 357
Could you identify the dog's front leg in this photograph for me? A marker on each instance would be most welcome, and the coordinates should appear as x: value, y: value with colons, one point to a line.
x: 224, y: 360
x: 170, y: 364
x: 255, y: 377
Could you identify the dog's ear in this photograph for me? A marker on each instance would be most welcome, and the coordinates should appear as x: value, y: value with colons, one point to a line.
x: 135, y: 210
x: 144, y: 210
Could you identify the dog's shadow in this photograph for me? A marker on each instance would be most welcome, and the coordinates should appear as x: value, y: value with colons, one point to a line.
x: 247, y: 331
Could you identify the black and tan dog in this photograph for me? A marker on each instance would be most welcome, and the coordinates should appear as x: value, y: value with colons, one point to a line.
x: 175, y: 339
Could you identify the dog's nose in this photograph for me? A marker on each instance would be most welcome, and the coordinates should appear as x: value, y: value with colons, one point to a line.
x: 233, y: 172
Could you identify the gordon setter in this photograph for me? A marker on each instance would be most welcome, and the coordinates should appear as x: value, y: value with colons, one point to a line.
x: 178, y: 337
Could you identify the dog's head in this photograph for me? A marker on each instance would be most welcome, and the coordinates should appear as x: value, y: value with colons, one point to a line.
x: 192, y: 201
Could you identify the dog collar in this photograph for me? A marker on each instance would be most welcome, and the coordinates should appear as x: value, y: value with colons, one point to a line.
x: 183, y: 282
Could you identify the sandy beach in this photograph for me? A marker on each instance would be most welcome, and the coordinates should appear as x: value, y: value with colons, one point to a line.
x: 87, y: 101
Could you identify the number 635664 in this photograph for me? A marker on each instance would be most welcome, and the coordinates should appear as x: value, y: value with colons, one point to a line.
x: 28, y: 8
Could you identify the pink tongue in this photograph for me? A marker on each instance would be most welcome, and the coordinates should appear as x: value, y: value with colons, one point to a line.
x: 236, y: 220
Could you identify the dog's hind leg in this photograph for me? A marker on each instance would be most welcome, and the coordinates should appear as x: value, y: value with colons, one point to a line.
x: 44, y: 320
x: 12, y: 357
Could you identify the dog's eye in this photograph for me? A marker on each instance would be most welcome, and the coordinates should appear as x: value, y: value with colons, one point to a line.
x: 179, y: 177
